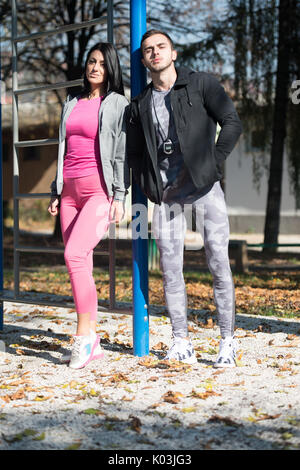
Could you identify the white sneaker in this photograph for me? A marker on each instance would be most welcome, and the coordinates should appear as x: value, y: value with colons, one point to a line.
x: 181, y: 350
x: 97, y: 354
x: 227, y: 352
x: 83, y: 349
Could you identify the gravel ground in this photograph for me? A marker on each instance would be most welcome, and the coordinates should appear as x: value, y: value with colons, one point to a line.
x: 125, y: 402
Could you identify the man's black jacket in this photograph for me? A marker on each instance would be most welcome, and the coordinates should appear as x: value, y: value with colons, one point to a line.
x: 198, y: 102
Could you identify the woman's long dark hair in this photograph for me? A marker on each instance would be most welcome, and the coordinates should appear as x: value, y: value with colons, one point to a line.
x: 112, y: 63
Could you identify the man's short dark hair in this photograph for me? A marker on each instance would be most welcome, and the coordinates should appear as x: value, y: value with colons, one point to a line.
x: 151, y: 32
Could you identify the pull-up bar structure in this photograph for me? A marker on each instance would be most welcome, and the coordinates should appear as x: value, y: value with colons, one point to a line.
x: 140, y: 245
x: 140, y: 255
x: 1, y: 211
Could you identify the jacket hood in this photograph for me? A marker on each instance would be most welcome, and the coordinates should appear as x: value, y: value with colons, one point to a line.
x: 183, y: 75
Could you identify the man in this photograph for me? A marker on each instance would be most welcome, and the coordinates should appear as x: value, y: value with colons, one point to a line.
x: 176, y: 162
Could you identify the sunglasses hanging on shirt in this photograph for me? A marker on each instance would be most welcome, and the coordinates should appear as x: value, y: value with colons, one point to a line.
x: 168, y: 145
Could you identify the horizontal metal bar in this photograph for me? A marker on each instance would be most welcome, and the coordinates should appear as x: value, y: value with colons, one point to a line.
x: 41, y: 249
x: 33, y: 196
x: 270, y: 245
x: 60, y: 29
x: 50, y: 86
x: 63, y: 304
x: 36, y: 143
x: 36, y: 249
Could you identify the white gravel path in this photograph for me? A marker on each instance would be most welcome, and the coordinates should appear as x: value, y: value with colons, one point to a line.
x: 132, y: 403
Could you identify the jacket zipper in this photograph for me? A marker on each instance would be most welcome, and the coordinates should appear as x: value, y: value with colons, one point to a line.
x: 156, y: 170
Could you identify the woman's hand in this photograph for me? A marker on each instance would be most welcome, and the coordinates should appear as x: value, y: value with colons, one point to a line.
x: 53, y: 206
x: 116, y: 211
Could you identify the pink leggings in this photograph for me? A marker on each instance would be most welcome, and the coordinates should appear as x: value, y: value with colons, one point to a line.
x: 84, y: 218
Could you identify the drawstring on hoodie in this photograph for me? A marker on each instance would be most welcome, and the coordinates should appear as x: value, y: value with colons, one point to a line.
x: 188, y: 96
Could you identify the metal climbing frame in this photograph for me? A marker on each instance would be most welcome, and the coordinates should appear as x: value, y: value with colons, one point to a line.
x: 16, y: 92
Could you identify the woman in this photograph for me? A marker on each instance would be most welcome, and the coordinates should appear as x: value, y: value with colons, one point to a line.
x: 90, y: 184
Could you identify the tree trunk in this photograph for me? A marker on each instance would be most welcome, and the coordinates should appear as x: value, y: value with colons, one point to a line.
x: 272, y: 221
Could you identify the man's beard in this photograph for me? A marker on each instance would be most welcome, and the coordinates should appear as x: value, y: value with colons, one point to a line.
x: 161, y: 68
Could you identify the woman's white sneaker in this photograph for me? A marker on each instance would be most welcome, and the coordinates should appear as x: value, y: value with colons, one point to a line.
x: 97, y: 354
x: 227, y: 352
x: 181, y: 350
x: 83, y: 349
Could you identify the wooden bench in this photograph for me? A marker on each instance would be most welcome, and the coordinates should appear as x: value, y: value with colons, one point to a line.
x: 238, y: 250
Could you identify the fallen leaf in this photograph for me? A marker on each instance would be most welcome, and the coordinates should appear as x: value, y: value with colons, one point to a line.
x: 260, y: 416
x: 93, y: 411
x: 41, y: 437
x: 190, y: 409
x: 170, y: 374
x: 42, y: 398
x: 203, y: 395
x: 74, y: 446
x: 209, y: 323
x: 236, y: 384
x: 148, y: 362
x: 192, y: 329
x: 127, y: 398
x: 18, y: 395
x: 116, y: 378
x: 20, y: 352
x: 155, y: 405
x: 223, y: 419
x: 160, y: 346
x: 291, y: 337
x: 285, y: 367
x: 136, y: 424
x: 172, y: 397
x: 293, y: 344
x: 264, y: 327
x: 218, y: 372
x: 5, y: 398
x: 152, y: 379
x: 19, y: 436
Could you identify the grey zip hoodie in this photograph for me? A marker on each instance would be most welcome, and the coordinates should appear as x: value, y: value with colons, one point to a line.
x: 112, y: 140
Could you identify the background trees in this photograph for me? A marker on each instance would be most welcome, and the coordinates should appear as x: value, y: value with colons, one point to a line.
x: 60, y: 57
x: 260, y: 42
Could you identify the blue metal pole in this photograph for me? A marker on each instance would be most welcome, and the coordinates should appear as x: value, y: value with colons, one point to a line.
x: 139, y: 245
x: 1, y: 211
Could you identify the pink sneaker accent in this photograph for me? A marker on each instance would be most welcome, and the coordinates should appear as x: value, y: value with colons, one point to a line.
x: 67, y: 357
x: 101, y: 354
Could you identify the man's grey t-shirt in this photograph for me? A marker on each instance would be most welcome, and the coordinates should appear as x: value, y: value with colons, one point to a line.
x: 177, y: 183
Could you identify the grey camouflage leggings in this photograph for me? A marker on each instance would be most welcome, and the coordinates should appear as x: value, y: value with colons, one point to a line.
x: 169, y: 227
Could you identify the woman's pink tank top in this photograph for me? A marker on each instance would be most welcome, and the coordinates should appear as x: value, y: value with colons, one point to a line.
x: 82, y: 134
